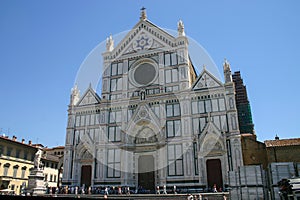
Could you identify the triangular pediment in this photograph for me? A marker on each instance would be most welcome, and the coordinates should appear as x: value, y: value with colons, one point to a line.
x: 211, y: 139
x: 144, y: 117
x: 89, y: 98
x: 85, y: 145
x: 144, y: 36
x: 206, y: 81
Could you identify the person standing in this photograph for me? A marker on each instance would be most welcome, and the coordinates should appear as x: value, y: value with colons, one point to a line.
x: 164, y: 189
x: 157, y: 190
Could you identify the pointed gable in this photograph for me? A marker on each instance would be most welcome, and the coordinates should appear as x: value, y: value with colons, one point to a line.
x: 89, y: 98
x: 206, y: 80
x: 143, y: 36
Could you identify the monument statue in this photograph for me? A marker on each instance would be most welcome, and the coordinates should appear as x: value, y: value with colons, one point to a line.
x: 37, y: 159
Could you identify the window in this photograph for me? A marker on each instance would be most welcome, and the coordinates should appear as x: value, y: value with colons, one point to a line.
x: 153, y: 91
x: 9, y: 150
x: 46, y: 177
x: 116, y: 69
x: 115, y: 116
x: 77, y: 120
x: 221, y: 104
x: 23, y: 171
x: 113, y: 163
x: 173, y: 110
x: 173, y: 88
x: 156, y: 110
x: 25, y: 155
x: 175, y: 160
x: 173, y: 128
x: 6, y: 167
x: 92, y: 121
x: 208, y: 106
x: 15, y: 171
x: 221, y: 122
x: 216, y: 120
x: 199, y: 124
x: 114, y: 134
x: 18, y: 151
x: 224, y: 126
x: 130, y: 112
x: 201, y: 107
x: 171, y: 75
x: 115, y: 84
x: 87, y: 118
x: 195, y: 158
x: 215, y: 106
x: 32, y: 157
x: 54, y: 179
x: 82, y: 120
x: 170, y: 59
x: 51, y: 177
x: 1, y: 150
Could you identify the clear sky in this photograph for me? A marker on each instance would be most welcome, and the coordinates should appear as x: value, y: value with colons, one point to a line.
x: 43, y: 43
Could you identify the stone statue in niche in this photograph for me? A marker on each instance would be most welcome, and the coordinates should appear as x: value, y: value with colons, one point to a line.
x: 143, y: 94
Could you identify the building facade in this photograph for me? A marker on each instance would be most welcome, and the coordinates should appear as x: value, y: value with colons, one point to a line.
x: 52, y: 161
x: 16, y: 161
x: 156, y: 121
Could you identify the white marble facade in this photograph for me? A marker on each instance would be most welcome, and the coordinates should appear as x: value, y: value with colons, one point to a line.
x: 156, y: 121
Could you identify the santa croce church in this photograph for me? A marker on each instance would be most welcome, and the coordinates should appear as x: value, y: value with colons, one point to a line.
x: 157, y: 121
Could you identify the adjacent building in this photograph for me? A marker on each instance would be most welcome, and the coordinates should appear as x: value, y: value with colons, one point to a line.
x: 156, y: 121
x: 53, y: 160
x: 16, y: 162
x: 283, y: 150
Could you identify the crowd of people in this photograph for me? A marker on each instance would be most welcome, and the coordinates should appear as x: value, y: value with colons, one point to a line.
x: 120, y: 190
x: 89, y: 190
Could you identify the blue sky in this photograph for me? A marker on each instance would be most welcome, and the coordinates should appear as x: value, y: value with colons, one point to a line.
x: 43, y: 43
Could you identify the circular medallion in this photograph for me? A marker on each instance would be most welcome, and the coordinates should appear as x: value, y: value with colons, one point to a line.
x: 142, y: 42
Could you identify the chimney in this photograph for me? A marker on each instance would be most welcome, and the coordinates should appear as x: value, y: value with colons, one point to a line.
x: 276, y: 137
x: 14, y: 138
x: 29, y: 142
x: 23, y: 140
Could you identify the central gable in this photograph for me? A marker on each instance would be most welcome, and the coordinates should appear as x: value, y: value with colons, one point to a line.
x: 144, y: 36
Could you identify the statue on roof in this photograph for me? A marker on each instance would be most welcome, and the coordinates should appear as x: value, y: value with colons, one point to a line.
x: 143, y: 14
x: 74, y: 95
x: 109, y: 43
x: 180, y: 28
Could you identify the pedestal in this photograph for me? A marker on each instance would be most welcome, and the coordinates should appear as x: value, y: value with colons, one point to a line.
x: 36, y: 183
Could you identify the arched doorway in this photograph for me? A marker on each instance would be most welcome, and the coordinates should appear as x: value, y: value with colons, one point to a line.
x: 146, y: 172
x: 214, y: 173
x: 86, y: 175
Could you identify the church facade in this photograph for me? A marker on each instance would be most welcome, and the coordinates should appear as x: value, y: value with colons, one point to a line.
x: 156, y: 122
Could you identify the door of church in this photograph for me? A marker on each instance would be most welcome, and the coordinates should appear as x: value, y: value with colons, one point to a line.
x: 214, y: 173
x: 86, y: 173
x: 146, y: 173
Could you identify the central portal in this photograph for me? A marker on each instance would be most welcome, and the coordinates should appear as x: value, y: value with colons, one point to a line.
x: 146, y: 171
x: 214, y: 173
